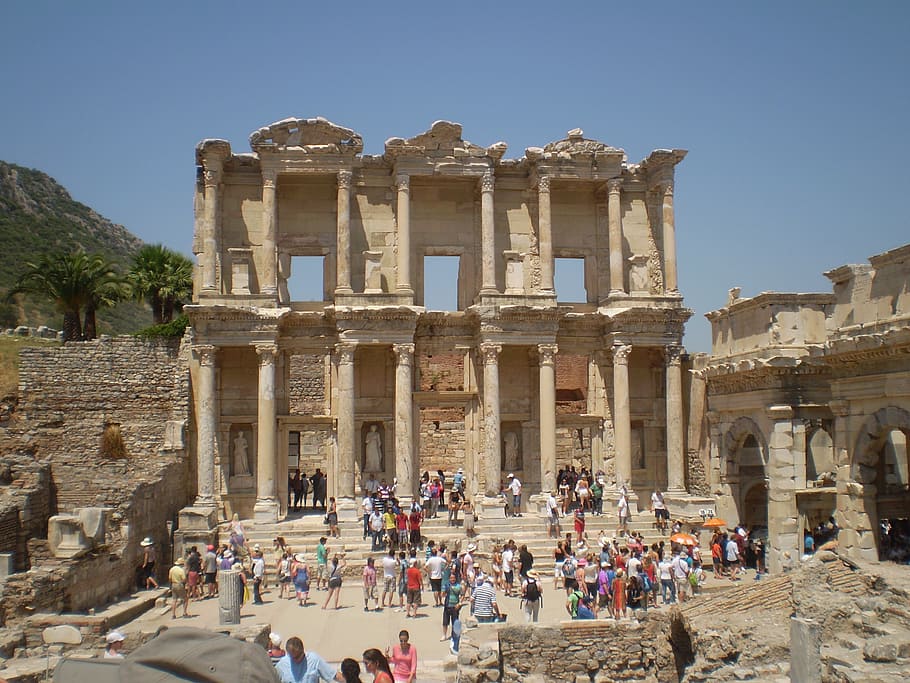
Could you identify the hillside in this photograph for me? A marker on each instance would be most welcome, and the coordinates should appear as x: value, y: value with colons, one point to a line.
x: 38, y: 216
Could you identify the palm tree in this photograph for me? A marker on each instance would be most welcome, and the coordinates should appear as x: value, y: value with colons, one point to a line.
x: 73, y: 281
x: 163, y: 278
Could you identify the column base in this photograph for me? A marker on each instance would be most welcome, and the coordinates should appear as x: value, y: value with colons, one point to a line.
x: 493, y: 507
x: 265, y: 511
x: 617, y: 293
x: 343, y: 291
x: 538, y: 502
x: 348, y: 509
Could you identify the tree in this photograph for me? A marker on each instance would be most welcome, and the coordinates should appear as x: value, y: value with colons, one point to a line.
x: 73, y: 281
x: 163, y: 278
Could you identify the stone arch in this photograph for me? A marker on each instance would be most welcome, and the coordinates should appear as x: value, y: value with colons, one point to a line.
x: 869, y: 500
x: 820, y: 457
x: 736, y: 437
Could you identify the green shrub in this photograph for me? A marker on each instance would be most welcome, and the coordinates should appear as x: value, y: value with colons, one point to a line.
x: 175, y: 328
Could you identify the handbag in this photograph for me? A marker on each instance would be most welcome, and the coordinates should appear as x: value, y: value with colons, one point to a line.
x: 325, y: 520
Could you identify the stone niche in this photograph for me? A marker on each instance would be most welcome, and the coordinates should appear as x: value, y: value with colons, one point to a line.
x: 242, y: 461
x: 374, y: 448
x: 512, y: 450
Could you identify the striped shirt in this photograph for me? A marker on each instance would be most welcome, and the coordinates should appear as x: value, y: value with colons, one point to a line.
x: 484, y: 599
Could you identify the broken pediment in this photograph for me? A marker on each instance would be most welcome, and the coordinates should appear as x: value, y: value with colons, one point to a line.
x: 314, y: 136
x: 443, y: 139
x: 573, y: 145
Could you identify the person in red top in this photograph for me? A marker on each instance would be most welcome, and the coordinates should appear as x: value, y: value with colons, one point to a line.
x: 403, y: 659
x: 401, y: 523
x: 717, y: 557
x: 415, y: 582
x: 414, y: 520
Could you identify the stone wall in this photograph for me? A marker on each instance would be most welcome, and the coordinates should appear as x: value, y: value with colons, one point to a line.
x: 441, y: 439
x: 573, y: 447
x: 69, y: 395
x: 306, y: 384
x: 25, y: 505
x: 441, y: 372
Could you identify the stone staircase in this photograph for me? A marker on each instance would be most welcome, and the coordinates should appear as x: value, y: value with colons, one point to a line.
x: 302, y: 532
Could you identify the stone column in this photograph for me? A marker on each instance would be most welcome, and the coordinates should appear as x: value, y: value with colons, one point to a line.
x: 403, y: 182
x: 669, y: 239
x: 206, y: 422
x: 784, y: 534
x: 488, y: 236
x: 676, y: 471
x: 622, y: 418
x: 268, y: 282
x: 343, y: 235
x: 547, y: 361
x: 404, y: 411
x: 345, y: 418
x: 614, y: 189
x: 266, y: 507
x: 210, y: 246
x: 544, y: 237
x: 492, y: 454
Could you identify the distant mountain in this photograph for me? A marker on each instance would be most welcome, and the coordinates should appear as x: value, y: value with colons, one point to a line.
x: 38, y: 216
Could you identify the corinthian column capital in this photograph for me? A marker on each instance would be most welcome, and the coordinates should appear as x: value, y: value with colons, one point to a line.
x: 487, y: 182
x: 344, y: 352
x: 404, y: 354
x: 543, y: 184
x: 490, y: 353
x: 212, y: 177
x: 614, y: 185
x: 267, y: 353
x: 673, y: 354
x: 269, y: 178
x: 344, y: 180
x: 403, y: 182
x: 621, y: 354
x: 205, y: 354
x: 547, y: 354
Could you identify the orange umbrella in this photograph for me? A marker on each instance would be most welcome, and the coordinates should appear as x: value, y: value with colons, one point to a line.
x: 683, y: 539
x: 714, y: 523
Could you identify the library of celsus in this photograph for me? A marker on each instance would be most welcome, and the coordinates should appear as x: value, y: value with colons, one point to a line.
x: 358, y: 376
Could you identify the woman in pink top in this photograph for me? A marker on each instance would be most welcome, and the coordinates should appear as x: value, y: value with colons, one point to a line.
x: 403, y: 658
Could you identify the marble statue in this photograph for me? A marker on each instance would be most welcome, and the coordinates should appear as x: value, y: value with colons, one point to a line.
x: 241, y: 459
x: 373, y: 451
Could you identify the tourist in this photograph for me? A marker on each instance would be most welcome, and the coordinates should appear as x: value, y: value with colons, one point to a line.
x: 389, y: 567
x: 332, y: 518
x: 732, y: 556
x: 569, y: 567
x: 210, y: 571
x: 369, y: 585
x: 295, y: 487
x: 435, y: 568
x: 622, y: 512
x: 525, y: 561
x: 636, y: 597
x: 403, y: 658
x: 573, y: 600
x: 258, y: 576
x: 507, y: 570
x: 376, y: 529
x: 319, y: 482
x: 532, y: 596
x: 681, y: 576
x: 366, y: 509
x: 553, y: 530
x: 388, y: 524
x: 298, y: 666
x: 579, y: 523
x: 591, y: 571
x: 401, y: 527
x: 468, y: 572
x: 334, y: 582
x: 667, y: 584
x: 300, y: 575
x: 515, y: 488
x: 377, y: 664
x: 559, y: 557
x: 454, y: 595
x: 177, y: 578
x: 193, y: 573
x: 717, y: 556
x: 587, y: 609
x: 582, y: 493
x: 304, y: 489
x: 275, y: 651
x: 470, y: 517
x: 457, y: 480
x: 483, y: 601
x: 414, y: 520
x: 414, y: 579
x: 454, y: 507
x: 403, y: 565
x: 496, y: 568
x: 659, y: 508
x: 114, y: 645
x: 604, y: 582
x: 619, y: 595
x: 597, y: 496
x: 283, y: 568
x: 350, y: 670
x: 322, y: 565
x: 148, y: 562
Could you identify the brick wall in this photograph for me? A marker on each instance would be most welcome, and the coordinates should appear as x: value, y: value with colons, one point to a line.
x: 441, y: 439
x: 306, y: 384
x: 25, y: 505
x: 441, y: 372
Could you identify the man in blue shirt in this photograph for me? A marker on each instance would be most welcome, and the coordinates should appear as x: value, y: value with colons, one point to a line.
x: 298, y: 666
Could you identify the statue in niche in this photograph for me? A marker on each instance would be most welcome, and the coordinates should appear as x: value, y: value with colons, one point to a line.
x: 638, y: 449
x: 513, y: 456
x: 241, y: 458
x: 372, y: 449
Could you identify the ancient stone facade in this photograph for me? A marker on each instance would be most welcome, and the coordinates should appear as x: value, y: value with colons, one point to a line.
x: 359, y: 376
x: 808, y: 400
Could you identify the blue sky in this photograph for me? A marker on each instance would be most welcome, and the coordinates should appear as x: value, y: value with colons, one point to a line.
x: 795, y: 113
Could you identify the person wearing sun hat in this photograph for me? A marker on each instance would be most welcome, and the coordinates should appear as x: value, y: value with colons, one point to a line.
x: 148, y: 562
x: 177, y: 578
x: 113, y: 648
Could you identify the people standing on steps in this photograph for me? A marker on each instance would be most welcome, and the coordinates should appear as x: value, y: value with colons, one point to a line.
x: 515, y: 489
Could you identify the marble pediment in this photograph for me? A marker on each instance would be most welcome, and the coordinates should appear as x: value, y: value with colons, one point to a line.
x: 443, y: 139
x: 311, y: 136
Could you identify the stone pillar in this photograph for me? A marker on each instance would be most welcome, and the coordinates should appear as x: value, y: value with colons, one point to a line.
x: 669, y: 239
x: 614, y: 189
x: 404, y: 423
x: 206, y: 421
x: 230, y: 596
x: 267, y: 506
x: 488, y: 236
x: 784, y: 534
x: 622, y: 418
x: 544, y: 237
x: 345, y: 417
x: 492, y: 454
x: 404, y: 234
x: 676, y: 468
x: 268, y: 281
x: 343, y: 235
x: 210, y: 242
x: 547, y: 361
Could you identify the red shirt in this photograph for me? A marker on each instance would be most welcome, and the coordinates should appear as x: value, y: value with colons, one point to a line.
x: 414, y: 578
x: 415, y: 520
x: 401, y: 521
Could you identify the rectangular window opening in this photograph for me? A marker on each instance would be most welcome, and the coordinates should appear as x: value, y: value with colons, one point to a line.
x: 440, y: 282
x: 569, y: 280
x: 307, y: 278
x: 293, y: 450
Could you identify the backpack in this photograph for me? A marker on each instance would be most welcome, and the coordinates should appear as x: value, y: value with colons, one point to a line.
x: 645, y: 582
x: 532, y: 591
x: 693, y: 579
x: 568, y: 568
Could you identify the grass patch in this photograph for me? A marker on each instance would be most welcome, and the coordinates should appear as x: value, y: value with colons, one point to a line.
x: 9, y: 360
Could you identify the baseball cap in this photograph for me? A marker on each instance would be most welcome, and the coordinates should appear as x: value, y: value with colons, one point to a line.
x: 115, y: 637
x: 177, y: 654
